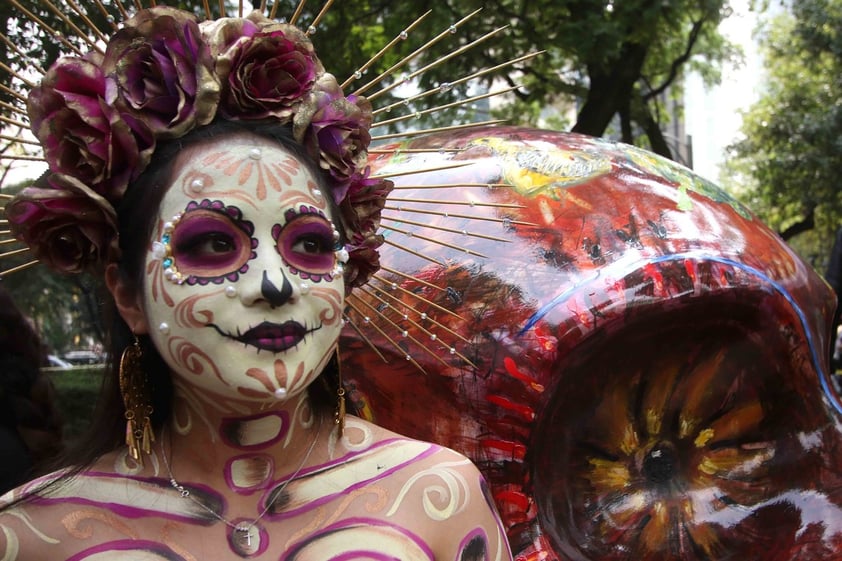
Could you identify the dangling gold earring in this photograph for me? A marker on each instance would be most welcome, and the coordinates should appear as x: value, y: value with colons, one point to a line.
x: 133, y: 387
x: 339, y: 415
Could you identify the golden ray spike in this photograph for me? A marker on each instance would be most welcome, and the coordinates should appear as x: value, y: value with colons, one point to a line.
x: 414, y: 171
x: 457, y: 215
x: 79, y: 33
x: 274, y: 11
x: 13, y: 122
x: 449, y: 85
x: 416, y: 151
x: 137, y: 5
x: 432, y: 240
x: 262, y: 6
x: 11, y: 240
x: 429, y: 333
x: 313, y: 26
x: 445, y: 229
x: 38, y: 21
x: 19, y: 139
x: 15, y: 94
x: 460, y: 185
x: 18, y: 268
x: 81, y: 13
x: 409, y: 337
x: 398, y: 38
x: 411, y: 294
x: 208, y: 13
x: 415, y: 53
x: 379, y: 330
x: 459, y: 203
x: 297, y: 13
x: 361, y: 334
x: 240, y: 10
x: 406, y: 276
x: 104, y: 12
x: 440, y: 129
x: 123, y: 12
x: 222, y: 11
x: 437, y: 62
x: 22, y: 157
x: 385, y: 292
x: 413, y: 252
x: 466, y: 101
x: 21, y: 55
x: 5, y: 196
x: 13, y: 253
x: 28, y: 84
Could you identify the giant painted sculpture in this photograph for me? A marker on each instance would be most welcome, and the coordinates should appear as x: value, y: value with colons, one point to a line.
x: 639, y: 368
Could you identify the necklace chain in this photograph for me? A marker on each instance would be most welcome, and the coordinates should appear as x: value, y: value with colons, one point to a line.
x: 241, y: 527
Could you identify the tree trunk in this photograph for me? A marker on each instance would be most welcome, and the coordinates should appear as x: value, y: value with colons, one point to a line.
x: 610, y: 89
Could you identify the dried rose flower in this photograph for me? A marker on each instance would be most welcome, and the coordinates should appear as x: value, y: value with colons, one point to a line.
x: 334, y: 129
x: 69, y: 227
x: 82, y: 135
x: 266, y: 75
x: 163, y: 72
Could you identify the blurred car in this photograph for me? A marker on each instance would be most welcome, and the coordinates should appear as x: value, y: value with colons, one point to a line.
x: 55, y: 362
x: 82, y: 357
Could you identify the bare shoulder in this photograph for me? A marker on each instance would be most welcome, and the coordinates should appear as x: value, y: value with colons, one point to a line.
x: 26, y: 522
x: 439, y: 495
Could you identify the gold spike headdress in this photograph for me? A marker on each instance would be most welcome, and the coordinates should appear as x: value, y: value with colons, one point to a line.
x: 99, y: 115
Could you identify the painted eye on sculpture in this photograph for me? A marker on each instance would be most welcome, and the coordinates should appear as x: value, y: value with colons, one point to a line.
x: 207, y: 244
x: 306, y: 244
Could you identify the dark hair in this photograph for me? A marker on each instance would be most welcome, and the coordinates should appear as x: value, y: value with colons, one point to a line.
x: 136, y: 216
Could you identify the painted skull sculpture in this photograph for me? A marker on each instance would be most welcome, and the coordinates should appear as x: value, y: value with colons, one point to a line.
x: 635, y: 362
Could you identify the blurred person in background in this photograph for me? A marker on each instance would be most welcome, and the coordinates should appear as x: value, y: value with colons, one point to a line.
x: 30, y: 424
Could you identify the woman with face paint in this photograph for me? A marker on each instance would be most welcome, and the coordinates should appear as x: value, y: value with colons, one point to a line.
x: 228, y: 224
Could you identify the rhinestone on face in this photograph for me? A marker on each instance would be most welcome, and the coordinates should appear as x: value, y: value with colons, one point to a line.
x: 159, y: 250
x: 281, y: 393
x: 197, y: 185
x: 255, y: 153
x: 230, y: 291
x: 164, y: 328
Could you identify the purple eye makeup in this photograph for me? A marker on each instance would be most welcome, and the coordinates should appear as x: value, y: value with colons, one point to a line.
x: 208, y: 242
x: 308, y: 244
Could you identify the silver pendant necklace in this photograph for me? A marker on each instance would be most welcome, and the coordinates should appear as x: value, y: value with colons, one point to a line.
x: 241, y: 531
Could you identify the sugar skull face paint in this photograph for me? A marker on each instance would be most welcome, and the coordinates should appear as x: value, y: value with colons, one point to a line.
x: 246, y: 272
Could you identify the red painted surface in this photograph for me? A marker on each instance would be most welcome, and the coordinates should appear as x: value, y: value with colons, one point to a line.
x: 638, y: 364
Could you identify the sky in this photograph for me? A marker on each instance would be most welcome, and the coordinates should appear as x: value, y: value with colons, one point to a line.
x: 713, y: 116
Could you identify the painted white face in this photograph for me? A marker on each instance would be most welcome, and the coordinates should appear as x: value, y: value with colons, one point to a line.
x: 243, y: 291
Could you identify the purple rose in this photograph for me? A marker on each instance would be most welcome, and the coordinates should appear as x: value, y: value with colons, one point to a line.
x: 334, y: 129
x: 162, y: 72
x: 361, y: 209
x: 266, y: 75
x: 82, y: 135
x: 68, y: 226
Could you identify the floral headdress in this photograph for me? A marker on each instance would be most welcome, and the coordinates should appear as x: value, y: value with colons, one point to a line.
x: 100, y: 116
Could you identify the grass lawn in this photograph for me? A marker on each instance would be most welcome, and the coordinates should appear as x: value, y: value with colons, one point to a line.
x: 77, y: 389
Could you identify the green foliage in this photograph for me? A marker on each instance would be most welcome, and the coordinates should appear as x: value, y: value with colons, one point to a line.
x: 791, y: 153
x: 76, y: 396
